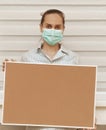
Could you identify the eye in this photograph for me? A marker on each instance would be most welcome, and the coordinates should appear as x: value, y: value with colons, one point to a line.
x: 58, y: 27
x: 48, y: 26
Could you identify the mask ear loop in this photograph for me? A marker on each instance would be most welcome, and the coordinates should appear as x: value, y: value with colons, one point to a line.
x: 41, y: 40
x: 62, y: 41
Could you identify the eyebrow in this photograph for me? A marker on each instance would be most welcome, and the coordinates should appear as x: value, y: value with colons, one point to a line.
x: 51, y: 24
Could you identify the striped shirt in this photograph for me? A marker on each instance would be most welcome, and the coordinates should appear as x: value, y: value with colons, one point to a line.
x: 63, y: 57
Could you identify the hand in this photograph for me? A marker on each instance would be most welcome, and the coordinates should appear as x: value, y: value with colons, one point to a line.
x: 4, y: 62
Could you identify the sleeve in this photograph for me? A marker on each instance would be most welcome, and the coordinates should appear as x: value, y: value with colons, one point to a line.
x: 76, y: 59
x: 25, y: 58
x: 28, y: 56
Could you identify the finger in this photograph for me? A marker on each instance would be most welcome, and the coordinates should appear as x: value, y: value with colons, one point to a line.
x: 13, y: 60
x: 3, y: 64
x: 6, y: 60
x: 95, y: 127
x: 3, y: 67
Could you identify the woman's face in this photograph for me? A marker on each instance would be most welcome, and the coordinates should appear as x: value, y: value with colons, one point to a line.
x: 52, y: 21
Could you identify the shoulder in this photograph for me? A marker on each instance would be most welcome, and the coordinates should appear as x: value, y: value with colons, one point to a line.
x: 73, y: 56
x: 28, y: 55
x: 72, y: 53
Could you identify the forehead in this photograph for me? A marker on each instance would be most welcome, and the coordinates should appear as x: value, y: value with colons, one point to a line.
x: 53, y: 19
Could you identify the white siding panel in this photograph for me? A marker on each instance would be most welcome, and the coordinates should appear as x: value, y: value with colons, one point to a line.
x: 100, y: 61
x: 59, y: 2
x: 21, y: 38
x: 101, y: 86
x: 101, y: 76
x: 1, y: 76
x: 87, y: 45
x: 19, y: 30
x: 1, y: 86
x: 35, y: 15
x: 17, y: 45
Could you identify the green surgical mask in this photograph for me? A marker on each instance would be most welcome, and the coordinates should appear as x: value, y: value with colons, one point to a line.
x: 52, y: 36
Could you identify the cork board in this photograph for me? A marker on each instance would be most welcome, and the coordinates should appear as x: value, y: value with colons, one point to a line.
x: 49, y: 95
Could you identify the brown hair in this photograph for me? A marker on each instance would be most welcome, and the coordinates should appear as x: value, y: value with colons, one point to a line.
x: 53, y: 11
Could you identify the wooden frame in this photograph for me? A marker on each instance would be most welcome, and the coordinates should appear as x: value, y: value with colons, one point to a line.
x: 49, y: 95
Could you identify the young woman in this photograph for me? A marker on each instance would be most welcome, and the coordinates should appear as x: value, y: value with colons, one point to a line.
x: 50, y: 50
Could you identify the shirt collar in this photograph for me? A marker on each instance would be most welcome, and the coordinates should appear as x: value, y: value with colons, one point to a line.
x: 38, y: 47
x: 62, y: 48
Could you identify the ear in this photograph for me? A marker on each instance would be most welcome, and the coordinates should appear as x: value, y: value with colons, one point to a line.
x: 63, y: 28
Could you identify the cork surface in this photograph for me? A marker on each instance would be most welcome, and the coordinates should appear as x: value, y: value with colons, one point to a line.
x: 54, y: 95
